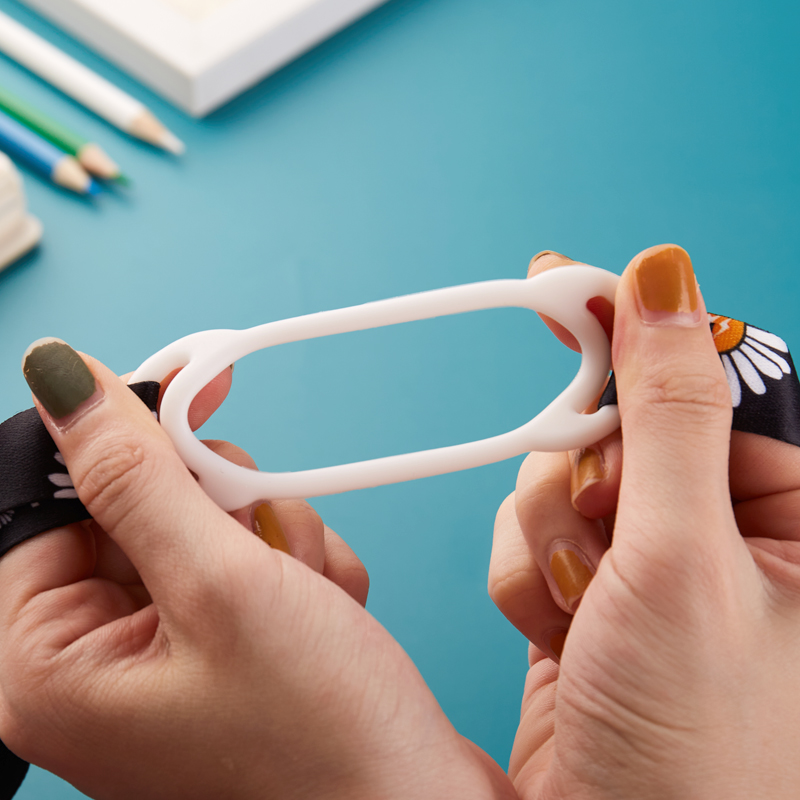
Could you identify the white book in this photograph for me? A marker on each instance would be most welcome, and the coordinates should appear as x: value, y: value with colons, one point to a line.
x: 201, y: 53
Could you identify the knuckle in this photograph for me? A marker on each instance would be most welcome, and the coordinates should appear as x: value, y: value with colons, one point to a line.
x: 687, y: 394
x: 539, y: 500
x: 112, y: 480
x: 502, y: 583
x: 506, y: 511
x: 512, y: 571
x: 355, y: 580
x: 512, y: 588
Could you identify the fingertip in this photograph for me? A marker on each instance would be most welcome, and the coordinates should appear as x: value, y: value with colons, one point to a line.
x: 555, y: 641
x: 599, y: 306
x: 595, y: 477
x: 304, y: 530
x: 268, y: 528
x: 344, y: 568
x: 604, y: 311
x: 208, y: 400
x: 547, y: 259
x: 230, y: 452
x: 676, y: 410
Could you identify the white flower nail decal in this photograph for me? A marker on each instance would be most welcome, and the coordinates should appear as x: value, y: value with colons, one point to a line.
x: 747, y: 353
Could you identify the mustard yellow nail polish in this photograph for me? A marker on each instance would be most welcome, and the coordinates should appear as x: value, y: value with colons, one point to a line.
x: 556, y: 643
x: 267, y: 527
x: 543, y: 253
x: 571, y: 575
x: 666, y: 289
x: 587, y: 470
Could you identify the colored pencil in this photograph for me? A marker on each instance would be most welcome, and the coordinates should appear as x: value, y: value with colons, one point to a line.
x: 88, y: 154
x: 43, y: 157
x: 83, y: 85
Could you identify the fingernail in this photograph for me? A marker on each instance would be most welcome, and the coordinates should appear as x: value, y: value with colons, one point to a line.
x: 268, y: 529
x: 587, y: 470
x: 666, y: 289
x: 544, y: 253
x: 571, y: 575
x: 59, y: 379
x: 556, y: 643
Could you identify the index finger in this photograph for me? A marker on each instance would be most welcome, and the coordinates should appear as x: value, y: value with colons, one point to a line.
x: 596, y: 469
x: 207, y: 401
x: 599, y: 306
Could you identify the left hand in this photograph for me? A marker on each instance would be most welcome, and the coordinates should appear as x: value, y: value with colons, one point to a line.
x: 167, y: 653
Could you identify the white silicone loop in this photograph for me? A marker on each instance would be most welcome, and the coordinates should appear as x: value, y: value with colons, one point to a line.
x: 561, y: 294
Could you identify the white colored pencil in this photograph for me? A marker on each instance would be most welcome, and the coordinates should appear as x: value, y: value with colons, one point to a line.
x: 83, y: 85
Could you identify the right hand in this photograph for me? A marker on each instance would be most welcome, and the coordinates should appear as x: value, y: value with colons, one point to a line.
x: 679, y: 675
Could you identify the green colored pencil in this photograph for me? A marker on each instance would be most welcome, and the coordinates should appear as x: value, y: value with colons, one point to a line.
x: 90, y: 156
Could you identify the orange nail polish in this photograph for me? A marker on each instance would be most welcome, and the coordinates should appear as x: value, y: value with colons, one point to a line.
x: 587, y: 470
x: 544, y: 253
x: 666, y: 289
x: 268, y: 529
x: 571, y: 575
x: 556, y: 643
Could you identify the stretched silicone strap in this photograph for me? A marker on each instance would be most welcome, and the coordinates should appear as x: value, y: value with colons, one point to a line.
x: 561, y: 294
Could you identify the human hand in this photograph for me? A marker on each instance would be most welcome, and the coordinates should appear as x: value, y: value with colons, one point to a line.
x: 679, y: 675
x: 165, y: 652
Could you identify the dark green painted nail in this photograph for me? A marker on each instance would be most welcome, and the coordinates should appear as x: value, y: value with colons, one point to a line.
x: 57, y: 376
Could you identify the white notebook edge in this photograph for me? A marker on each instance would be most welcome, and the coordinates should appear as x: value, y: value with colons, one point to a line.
x: 184, y: 62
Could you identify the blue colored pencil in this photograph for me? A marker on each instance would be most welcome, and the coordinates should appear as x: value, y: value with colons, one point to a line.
x: 26, y: 146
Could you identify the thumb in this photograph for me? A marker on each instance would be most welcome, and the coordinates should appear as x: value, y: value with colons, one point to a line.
x: 126, y: 471
x: 675, y: 407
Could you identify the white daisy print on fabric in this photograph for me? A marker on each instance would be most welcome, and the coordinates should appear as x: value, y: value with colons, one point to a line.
x: 748, y: 354
x: 6, y: 517
x: 66, y: 489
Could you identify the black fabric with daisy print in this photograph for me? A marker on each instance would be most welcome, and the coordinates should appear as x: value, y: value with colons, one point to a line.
x: 765, y: 391
x: 36, y: 494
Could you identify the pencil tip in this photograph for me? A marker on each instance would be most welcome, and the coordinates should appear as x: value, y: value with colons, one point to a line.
x: 170, y: 142
x: 95, y: 160
x: 147, y: 127
x: 71, y: 175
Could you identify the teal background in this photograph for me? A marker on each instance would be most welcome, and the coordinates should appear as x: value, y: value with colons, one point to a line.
x: 434, y: 142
